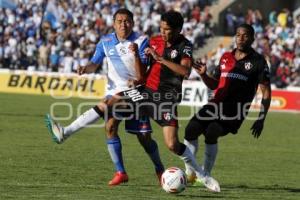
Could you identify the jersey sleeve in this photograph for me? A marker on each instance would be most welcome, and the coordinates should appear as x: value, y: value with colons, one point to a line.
x: 187, y: 51
x: 215, y: 73
x: 264, y: 73
x: 99, y: 54
x: 142, y: 48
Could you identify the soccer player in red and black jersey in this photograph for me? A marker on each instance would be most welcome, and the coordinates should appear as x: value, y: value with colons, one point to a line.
x: 171, y: 60
x: 235, y: 82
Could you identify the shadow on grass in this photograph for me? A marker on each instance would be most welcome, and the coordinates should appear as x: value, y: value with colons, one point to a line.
x: 203, y: 196
x: 21, y: 114
x: 266, y: 188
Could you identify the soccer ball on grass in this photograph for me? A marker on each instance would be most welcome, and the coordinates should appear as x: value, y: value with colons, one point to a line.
x: 173, y: 180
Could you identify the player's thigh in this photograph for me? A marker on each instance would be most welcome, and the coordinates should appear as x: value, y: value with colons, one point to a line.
x: 197, y: 125
x: 215, y: 130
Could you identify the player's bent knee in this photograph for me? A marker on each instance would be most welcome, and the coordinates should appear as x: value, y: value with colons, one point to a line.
x: 111, y: 130
x: 102, y: 106
x: 213, y: 132
x: 144, y: 140
x: 172, y: 146
x: 193, y: 130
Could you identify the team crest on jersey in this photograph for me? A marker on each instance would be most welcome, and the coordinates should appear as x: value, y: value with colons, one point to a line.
x: 248, y: 65
x: 123, y: 50
x: 174, y: 53
x: 167, y: 116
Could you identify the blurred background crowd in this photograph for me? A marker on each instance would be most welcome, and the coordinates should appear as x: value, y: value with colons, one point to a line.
x: 277, y: 38
x: 60, y: 35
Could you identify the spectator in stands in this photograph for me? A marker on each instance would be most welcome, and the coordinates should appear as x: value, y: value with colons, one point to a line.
x: 73, y: 24
x: 279, y: 41
x: 77, y: 25
x: 230, y: 22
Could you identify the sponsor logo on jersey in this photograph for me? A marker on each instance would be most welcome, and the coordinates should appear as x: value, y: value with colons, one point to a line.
x: 111, y: 52
x: 154, y: 47
x: 223, y: 61
x: 188, y: 51
x: 234, y: 76
x: 248, y: 65
x: 174, y: 53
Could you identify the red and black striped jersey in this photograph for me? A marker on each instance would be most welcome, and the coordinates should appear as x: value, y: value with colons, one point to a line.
x: 160, y: 78
x: 239, y: 79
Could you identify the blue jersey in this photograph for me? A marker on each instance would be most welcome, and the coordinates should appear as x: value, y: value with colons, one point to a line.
x: 120, y: 59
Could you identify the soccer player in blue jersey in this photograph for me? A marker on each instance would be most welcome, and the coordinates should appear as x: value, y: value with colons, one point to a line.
x: 124, y: 50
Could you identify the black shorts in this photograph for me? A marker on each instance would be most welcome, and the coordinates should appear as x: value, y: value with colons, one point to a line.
x: 214, y: 113
x: 144, y: 102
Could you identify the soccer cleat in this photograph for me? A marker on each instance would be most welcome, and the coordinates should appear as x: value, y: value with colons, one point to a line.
x: 159, y: 174
x: 119, y: 177
x: 209, y: 182
x: 54, y: 129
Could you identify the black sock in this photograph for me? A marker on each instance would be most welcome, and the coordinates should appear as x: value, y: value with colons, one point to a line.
x: 98, y: 111
x: 181, y: 149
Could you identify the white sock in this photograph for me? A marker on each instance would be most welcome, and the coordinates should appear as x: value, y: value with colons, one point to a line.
x: 88, y: 117
x: 193, y: 146
x: 210, y: 155
x: 189, y: 160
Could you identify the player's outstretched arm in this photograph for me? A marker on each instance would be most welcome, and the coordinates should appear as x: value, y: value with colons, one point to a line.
x: 89, y: 68
x: 258, y: 125
x: 201, y: 69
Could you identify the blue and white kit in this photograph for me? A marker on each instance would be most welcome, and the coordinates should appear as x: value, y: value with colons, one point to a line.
x: 121, y: 68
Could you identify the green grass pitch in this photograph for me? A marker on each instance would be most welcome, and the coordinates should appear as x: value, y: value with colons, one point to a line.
x: 33, y: 167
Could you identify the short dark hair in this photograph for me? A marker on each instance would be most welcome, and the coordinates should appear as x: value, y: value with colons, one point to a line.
x: 173, y: 18
x: 249, y: 28
x: 123, y: 11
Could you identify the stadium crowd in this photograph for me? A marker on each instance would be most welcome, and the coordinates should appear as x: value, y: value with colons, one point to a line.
x: 278, y: 38
x: 61, y: 35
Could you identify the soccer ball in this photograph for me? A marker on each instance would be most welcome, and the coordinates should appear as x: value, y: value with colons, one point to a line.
x: 173, y: 180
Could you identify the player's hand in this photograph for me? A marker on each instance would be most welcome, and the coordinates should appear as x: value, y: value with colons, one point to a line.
x: 131, y: 83
x: 257, y: 128
x: 200, y: 67
x: 81, y: 70
x: 154, y: 54
x: 134, y: 48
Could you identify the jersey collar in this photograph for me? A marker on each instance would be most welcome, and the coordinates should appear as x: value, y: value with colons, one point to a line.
x: 131, y: 37
x: 251, y: 51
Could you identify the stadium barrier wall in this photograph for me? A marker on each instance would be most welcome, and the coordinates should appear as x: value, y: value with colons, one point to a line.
x: 195, y: 93
x: 61, y: 85
x: 282, y: 99
x: 58, y: 85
